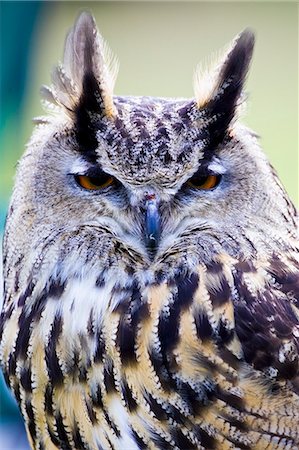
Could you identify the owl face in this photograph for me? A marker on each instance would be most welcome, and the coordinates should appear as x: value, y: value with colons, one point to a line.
x: 147, y: 177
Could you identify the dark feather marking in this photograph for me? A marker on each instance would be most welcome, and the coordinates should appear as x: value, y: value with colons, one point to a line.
x: 100, y: 281
x: 123, y: 306
x: 83, y: 372
x: 184, y: 113
x: 111, y: 424
x: 155, y: 407
x: 160, y: 276
x: 54, y: 371
x: 283, y: 330
x: 176, y: 415
x: 181, y: 441
x: 85, y: 127
x: 139, y: 309
x: 26, y: 294
x: 30, y: 420
x: 22, y: 341
x: 215, y: 267
x: 249, y: 241
x: 100, y: 347
x: 125, y: 339
x: 91, y: 414
x: 90, y: 325
x: 109, y: 381
x: 77, y: 438
x: 49, y: 400
x: 219, y: 294
x: 263, y: 322
x: 134, y: 311
x: 230, y: 399
x: 96, y: 398
x: 225, y: 334
x: 109, y: 442
x: 17, y: 280
x: 139, y: 441
x: 72, y: 364
x: 53, y: 438
x: 246, y: 266
x: 240, y: 445
x: 128, y: 397
x: 204, y: 329
x: 41, y: 445
x: 160, y: 442
x: 161, y: 370
x: 288, y: 369
x: 207, y: 441
x: 16, y: 391
x: 25, y: 379
x: 196, y: 401
x: 12, y: 364
x: 242, y: 426
x: 25, y: 323
x: 62, y: 433
x: 56, y: 288
x: 229, y: 358
x: 186, y: 289
x: 168, y: 327
x: 287, y: 277
x: 4, y: 316
x: 274, y: 388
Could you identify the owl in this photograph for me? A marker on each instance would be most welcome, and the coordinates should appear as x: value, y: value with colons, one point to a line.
x: 151, y: 268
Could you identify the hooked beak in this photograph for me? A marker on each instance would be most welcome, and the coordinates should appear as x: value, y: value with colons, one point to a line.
x: 152, y: 222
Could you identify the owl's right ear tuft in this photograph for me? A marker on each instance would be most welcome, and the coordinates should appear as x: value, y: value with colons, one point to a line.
x: 83, y: 84
x: 222, y: 94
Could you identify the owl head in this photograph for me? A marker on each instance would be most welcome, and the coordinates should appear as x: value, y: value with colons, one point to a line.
x: 140, y: 179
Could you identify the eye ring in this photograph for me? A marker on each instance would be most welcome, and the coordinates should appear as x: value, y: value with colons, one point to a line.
x: 206, y: 182
x: 94, y: 183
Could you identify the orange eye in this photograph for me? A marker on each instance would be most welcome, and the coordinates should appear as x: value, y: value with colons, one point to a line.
x: 204, y: 182
x: 95, y: 183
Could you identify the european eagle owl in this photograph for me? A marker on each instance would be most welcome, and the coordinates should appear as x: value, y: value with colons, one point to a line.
x: 150, y: 267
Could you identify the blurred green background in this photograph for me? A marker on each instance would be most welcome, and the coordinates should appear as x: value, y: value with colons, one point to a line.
x: 159, y: 45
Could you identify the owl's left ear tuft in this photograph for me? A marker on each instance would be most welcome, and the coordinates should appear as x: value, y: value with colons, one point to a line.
x: 221, y: 96
x: 84, y: 82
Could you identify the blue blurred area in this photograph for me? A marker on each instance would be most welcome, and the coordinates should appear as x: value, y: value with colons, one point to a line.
x: 17, y: 23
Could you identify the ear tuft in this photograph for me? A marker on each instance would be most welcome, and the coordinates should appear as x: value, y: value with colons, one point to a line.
x: 224, y: 90
x: 234, y: 70
x: 87, y: 76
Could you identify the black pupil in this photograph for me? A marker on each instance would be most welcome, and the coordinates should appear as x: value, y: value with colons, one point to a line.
x: 100, y: 180
x: 198, y: 180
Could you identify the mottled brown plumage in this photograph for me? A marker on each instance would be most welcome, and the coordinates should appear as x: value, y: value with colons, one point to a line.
x: 151, y: 269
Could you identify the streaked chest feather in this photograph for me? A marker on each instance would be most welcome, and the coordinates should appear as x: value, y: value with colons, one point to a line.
x: 120, y: 362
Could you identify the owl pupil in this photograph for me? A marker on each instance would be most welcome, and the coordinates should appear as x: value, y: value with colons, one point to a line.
x: 205, y: 182
x: 94, y: 181
x: 198, y: 181
x: 99, y: 180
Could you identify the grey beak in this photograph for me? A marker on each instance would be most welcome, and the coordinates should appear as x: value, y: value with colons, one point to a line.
x: 152, y: 223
